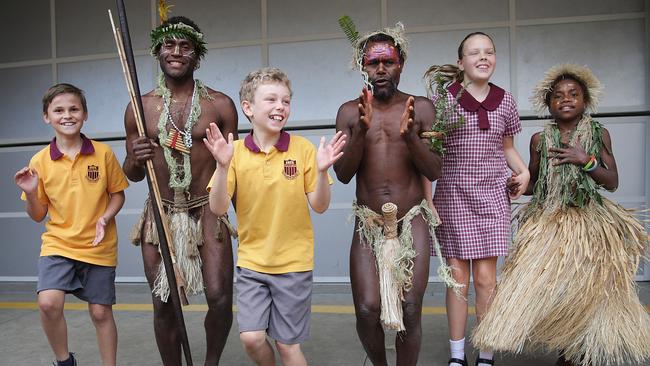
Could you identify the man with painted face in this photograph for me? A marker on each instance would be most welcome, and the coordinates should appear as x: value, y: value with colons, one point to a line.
x: 389, y: 159
x: 177, y: 114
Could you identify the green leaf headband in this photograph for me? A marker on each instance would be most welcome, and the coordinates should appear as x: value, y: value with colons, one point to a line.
x: 177, y: 31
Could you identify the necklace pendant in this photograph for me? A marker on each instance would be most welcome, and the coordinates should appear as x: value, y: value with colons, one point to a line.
x: 188, y: 140
x: 175, y: 141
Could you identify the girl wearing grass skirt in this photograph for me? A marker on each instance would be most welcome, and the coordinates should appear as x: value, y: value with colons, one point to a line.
x: 568, y: 284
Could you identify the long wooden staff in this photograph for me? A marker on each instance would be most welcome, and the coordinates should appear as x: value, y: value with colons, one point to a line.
x: 174, y: 279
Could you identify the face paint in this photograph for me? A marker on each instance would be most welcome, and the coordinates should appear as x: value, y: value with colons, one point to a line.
x: 381, y: 52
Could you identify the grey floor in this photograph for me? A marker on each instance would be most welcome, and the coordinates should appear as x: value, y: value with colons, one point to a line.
x: 333, y: 339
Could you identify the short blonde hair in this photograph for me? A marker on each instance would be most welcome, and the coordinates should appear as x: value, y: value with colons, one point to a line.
x: 261, y: 76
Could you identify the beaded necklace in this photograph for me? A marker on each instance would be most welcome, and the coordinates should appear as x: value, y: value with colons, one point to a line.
x: 178, y: 179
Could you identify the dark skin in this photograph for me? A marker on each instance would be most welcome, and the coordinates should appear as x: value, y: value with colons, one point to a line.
x: 177, y: 63
x: 566, y: 105
x: 388, y: 158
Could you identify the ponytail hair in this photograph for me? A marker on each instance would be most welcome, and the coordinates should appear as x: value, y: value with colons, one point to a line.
x: 441, y: 75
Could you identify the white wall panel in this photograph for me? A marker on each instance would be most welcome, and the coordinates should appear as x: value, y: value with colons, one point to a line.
x: 319, y: 17
x: 106, y: 94
x: 444, y: 12
x: 628, y: 140
x: 21, y: 95
x: 320, y: 77
x: 527, y: 9
x: 83, y: 27
x: 25, y: 39
x: 223, y: 21
x: 223, y: 70
x: 613, y: 50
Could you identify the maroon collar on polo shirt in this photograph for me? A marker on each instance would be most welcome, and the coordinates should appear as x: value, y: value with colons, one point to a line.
x: 86, y: 148
x: 491, y: 102
x: 281, y: 145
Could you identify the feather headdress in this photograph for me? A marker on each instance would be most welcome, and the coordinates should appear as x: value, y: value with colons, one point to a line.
x: 581, y: 73
x: 359, y: 43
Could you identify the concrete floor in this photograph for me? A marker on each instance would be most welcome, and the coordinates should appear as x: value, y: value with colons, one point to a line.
x: 333, y: 336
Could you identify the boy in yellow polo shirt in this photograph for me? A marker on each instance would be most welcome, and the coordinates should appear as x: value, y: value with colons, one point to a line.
x: 80, y: 185
x: 272, y: 178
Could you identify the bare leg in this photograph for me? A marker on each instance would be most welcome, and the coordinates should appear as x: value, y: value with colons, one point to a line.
x: 50, y: 305
x: 367, y: 303
x: 164, y: 320
x: 291, y: 354
x: 258, y: 348
x: 457, y: 306
x: 408, y: 345
x: 484, y: 272
x: 218, y: 278
x: 102, y: 317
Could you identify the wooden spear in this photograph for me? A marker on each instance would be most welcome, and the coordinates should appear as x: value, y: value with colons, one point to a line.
x: 174, y: 277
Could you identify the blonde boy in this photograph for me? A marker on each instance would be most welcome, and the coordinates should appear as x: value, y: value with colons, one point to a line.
x: 79, y: 184
x: 272, y: 178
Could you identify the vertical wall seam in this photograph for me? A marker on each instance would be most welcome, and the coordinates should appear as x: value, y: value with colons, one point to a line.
x: 54, y: 66
x: 646, y: 267
x: 265, y: 33
x: 512, y: 20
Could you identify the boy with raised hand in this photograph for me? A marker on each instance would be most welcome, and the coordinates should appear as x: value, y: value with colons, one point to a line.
x: 79, y: 184
x: 272, y: 177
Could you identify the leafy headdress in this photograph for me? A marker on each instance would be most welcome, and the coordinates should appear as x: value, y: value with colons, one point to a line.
x: 178, y: 30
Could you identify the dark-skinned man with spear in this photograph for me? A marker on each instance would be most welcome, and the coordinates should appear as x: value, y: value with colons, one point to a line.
x: 177, y: 112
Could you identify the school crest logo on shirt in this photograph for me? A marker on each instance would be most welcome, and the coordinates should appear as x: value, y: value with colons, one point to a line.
x: 93, y: 173
x: 290, y: 169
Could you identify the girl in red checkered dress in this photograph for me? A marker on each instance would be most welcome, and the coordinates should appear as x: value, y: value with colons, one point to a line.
x: 473, y: 195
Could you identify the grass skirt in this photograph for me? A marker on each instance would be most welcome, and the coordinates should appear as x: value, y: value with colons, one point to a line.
x: 568, y: 285
x: 187, y: 233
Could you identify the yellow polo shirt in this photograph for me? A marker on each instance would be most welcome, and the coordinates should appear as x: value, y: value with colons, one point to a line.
x: 274, y: 225
x: 76, y: 193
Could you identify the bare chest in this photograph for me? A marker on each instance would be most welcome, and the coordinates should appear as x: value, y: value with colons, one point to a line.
x: 179, y: 119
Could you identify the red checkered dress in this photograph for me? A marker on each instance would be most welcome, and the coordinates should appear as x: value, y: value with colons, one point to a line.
x: 471, y: 196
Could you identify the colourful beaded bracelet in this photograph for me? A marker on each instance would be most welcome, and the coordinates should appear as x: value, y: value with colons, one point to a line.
x: 591, y: 165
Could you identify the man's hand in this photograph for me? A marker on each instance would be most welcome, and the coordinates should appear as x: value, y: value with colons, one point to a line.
x: 330, y: 153
x: 365, y: 108
x: 27, y: 179
x: 221, y: 150
x: 406, y: 122
x: 143, y: 148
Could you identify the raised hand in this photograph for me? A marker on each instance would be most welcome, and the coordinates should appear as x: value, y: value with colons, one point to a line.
x: 330, y: 153
x: 221, y: 150
x: 406, y: 122
x: 27, y: 179
x: 99, y: 231
x: 365, y: 108
x: 143, y: 149
x: 569, y: 155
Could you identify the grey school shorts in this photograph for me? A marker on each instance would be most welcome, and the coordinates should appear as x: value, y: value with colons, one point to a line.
x: 89, y: 282
x: 280, y: 304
